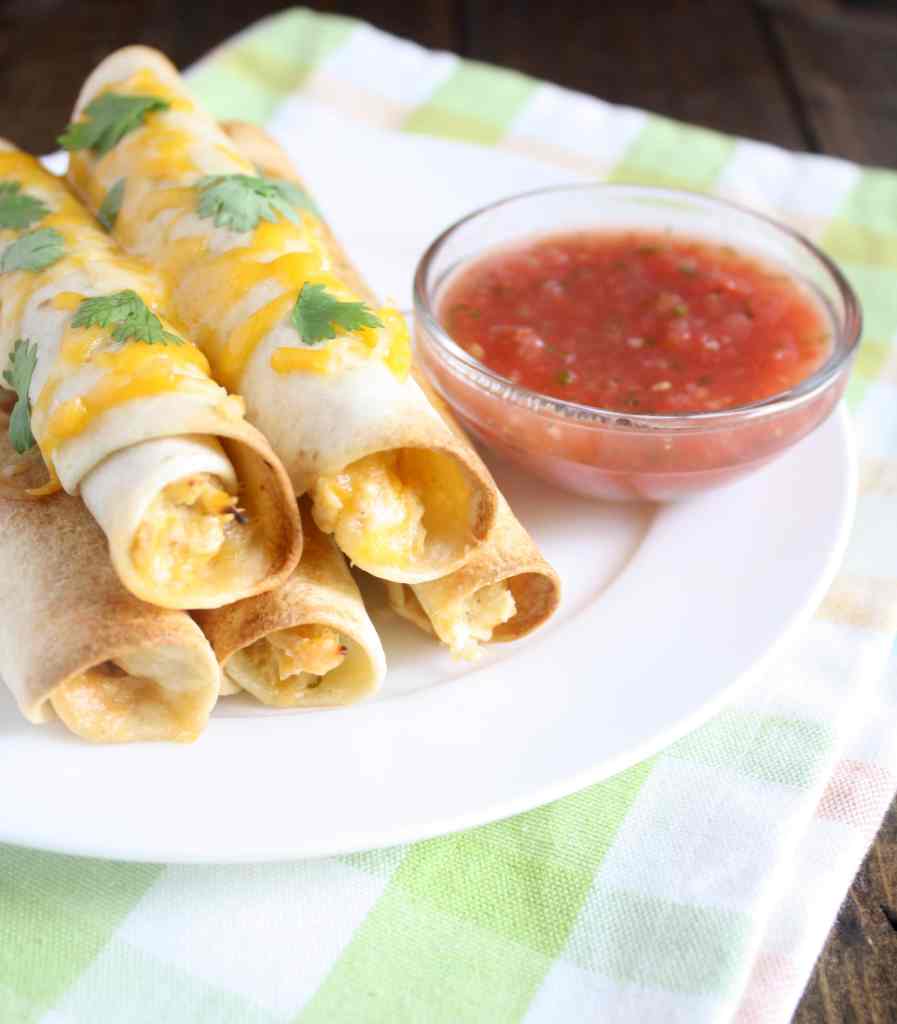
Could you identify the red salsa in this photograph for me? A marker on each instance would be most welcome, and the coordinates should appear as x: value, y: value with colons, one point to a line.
x: 639, y: 322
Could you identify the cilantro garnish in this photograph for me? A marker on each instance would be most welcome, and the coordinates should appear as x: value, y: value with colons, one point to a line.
x: 35, y: 251
x: 299, y: 198
x: 317, y: 312
x: 22, y: 361
x: 108, y: 119
x: 240, y: 201
x: 110, y: 206
x: 17, y: 209
x: 131, y: 318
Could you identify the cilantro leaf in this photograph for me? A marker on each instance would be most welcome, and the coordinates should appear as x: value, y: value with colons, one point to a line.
x: 17, y: 209
x: 22, y: 361
x: 317, y: 311
x: 108, y: 119
x: 110, y: 206
x: 296, y: 195
x: 35, y: 251
x: 128, y: 314
x: 240, y: 201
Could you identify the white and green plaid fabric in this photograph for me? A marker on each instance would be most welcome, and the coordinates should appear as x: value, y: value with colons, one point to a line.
x: 698, y: 886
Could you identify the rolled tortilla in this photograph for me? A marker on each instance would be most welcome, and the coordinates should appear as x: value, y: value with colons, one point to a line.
x: 503, y: 592
x: 308, y: 644
x: 74, y: 641
x: 506, y: 588
x: 404, y: 499
x: 195, y: 506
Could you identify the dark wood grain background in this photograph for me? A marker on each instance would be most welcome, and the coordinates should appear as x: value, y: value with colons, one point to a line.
x: 819, y: 75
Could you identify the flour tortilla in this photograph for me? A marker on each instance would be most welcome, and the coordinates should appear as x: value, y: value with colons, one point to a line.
x: 127, y: 453
x: 319, y: 424
x: 320, y: 592
x: 66, y: 615
x: 509, y: 555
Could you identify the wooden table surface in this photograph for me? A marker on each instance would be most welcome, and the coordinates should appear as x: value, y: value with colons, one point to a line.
x: 818, y: 75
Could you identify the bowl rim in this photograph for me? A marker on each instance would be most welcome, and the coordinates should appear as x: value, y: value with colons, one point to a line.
x: 848, y: 334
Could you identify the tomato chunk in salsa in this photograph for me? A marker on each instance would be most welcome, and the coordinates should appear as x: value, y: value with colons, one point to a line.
x: 639, y: 322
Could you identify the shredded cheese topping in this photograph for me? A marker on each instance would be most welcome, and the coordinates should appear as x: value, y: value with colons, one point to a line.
x: 115, y: 373
x: 213, y: 271
x: 184, y: 531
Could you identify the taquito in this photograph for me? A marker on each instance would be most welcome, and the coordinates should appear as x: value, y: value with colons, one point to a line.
x: 196, y: 508
x: 73, y: 641
x: 504, y: 591
x: 309, y: 643
x: 506, y: 588
x: 325, y: 375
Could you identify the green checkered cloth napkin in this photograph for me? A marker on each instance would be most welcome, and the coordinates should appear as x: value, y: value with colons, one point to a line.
x: 698, y: 886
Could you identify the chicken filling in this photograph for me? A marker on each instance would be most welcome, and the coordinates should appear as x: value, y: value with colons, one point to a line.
x: 373, y: 514
x: 402, y: 509
x: 482, y: 613
x: 306, y: 650
x: 283, y: 666
x: 185, y: 529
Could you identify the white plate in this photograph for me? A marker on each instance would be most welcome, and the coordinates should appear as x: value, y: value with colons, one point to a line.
x: 664, y: 614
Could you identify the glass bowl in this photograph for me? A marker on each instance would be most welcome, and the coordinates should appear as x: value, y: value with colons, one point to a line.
x: 614, y: 455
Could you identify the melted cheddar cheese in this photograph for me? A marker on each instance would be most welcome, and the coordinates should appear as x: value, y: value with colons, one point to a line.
x: 132, y: 371
x: 184, y: 531
x: 392, y: 346
x: 391, y: 508
x: 210, y: 270
x: 374, y: 513
x: 121, y: 372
